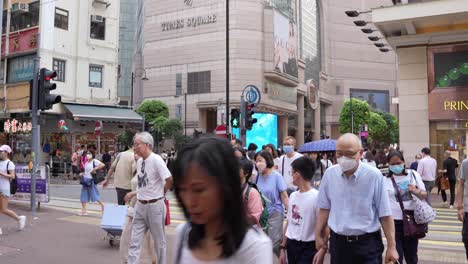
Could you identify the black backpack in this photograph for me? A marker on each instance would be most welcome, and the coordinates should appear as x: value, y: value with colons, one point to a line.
x: 13, y: 182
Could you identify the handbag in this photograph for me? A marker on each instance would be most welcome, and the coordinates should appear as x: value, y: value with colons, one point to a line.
x: 99, y: 176
x: 13, y: 182
x: 86, y: 182
x: 444, y: 183
x: 411, y: 229
x: 423, y: 212
x: 168, y: 214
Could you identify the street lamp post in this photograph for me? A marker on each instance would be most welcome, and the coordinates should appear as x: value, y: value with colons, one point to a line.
x: 227, y: 67
x: 352, y: 113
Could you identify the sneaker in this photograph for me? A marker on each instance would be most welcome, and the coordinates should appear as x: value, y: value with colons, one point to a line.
x: 451, y: 206
x: 1, y: 232
x: 21, y: 222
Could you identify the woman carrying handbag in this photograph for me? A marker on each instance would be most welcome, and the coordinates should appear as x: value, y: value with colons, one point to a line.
x: 402, y: 185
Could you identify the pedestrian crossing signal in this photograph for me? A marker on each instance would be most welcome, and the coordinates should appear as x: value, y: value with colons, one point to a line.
x: 235, y: 118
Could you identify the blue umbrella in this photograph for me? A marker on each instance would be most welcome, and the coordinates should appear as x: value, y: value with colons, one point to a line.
x: 318, y: 146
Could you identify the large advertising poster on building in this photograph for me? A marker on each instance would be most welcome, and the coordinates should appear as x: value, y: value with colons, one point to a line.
x: 377, y: 100
x: 285, y: 46
x: 265, y: 131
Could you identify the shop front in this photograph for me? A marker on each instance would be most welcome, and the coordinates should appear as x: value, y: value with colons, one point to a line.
x: 91, y: 126
x: 431, y: 41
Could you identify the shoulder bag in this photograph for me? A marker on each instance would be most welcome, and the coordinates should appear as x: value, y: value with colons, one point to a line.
x: 423, y: 212
x: 99, y: 175
x: 13, y: 182
x: 411, y: 229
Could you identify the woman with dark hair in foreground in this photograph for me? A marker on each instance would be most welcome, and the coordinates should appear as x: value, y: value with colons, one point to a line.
x: 207, y: 186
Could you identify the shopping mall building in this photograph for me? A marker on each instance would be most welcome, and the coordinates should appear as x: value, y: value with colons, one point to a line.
x: 305, y: 57
x: 431, y: 40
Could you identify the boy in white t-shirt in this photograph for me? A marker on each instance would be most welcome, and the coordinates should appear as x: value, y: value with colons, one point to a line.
x: 299, y: 233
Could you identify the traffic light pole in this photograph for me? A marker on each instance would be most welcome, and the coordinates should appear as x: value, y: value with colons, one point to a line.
x: 242, y: 131
x: 36, y: 129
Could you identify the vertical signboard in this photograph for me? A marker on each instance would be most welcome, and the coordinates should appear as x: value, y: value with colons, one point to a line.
x: 285, y: 46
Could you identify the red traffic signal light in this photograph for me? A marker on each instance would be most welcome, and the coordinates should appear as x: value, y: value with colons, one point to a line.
x: 50, y: 75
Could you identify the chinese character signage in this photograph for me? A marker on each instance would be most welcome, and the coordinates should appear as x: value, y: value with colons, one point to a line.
x: 23, y: 175
x: 22, y: 41
x: 14, y: 126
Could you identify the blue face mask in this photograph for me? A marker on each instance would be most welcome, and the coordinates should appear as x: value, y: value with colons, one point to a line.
x: 288, y: 149
x: 397, y: 169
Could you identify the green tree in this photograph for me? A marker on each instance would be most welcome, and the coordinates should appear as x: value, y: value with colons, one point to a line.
x: 378, y: 130
x: 126, y: 138
x: 173, y: 127
x: 361, y: 112
x: 392, y: 135
x: 153, y: 109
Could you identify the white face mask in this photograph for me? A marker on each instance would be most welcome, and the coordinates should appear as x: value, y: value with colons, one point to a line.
x: 346, y: 163
x: 89, y: 156
x: 261, y: 166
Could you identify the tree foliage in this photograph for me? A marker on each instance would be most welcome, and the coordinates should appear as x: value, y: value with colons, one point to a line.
x: 377, y: 129
x: 361, y: 112
x: 383, y: 127
x: 153, y: 109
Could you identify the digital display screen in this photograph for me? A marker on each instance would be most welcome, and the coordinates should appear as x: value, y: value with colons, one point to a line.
x: 265, y: 131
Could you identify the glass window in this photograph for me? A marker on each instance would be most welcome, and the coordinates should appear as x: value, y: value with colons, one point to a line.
x: 61, y: 18
x: 179, y: 84
x: 98, y: 27
x: 199, y: 82
x: 178, y: 112
x: 59, y: 67
x: 20, y: 69
x: 95, y: 76
x: 21, y: 20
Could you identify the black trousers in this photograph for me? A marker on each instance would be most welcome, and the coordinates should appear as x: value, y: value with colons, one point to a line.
x: 452, y: 192
x: 121, y: 195
x: 362, y: 251
x: 300, y: 252
x: 406, y: 247
x: 465, y: 234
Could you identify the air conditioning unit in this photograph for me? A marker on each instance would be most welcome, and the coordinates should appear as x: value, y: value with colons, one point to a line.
x: 20, y: 7
x: 97, y: 19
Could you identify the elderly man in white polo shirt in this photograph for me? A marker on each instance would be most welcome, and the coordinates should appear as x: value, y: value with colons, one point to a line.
x: 154, y: 179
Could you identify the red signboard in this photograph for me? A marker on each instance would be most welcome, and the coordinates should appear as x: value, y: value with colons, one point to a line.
x: 221, y: 131
x: 22, y: 41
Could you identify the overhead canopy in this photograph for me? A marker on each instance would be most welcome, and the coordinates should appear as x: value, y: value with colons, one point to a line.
x: 103, y: 113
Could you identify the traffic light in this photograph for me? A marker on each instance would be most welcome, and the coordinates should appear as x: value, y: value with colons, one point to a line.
x: 249, y: 119
x: 235, y: 118
x: 45, y: 99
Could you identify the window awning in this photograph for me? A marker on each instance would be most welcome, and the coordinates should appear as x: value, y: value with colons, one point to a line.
x: 104, y: 113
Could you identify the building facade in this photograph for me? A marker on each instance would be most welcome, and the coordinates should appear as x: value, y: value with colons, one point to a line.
x: 183, y: 55
x: 431, y: 40
x: 351, y: 65
x: 79, y: 40
x: 127, y: 32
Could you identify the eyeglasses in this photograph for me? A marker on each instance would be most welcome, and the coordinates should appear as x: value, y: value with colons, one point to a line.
x: 137, y: 144
x: 348, y: 154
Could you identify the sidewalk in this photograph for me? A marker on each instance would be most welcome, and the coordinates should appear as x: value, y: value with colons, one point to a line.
x: 54, y: 238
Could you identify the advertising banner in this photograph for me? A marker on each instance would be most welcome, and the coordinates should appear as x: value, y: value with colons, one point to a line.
x: 285, y: 46
x: 23, y: 175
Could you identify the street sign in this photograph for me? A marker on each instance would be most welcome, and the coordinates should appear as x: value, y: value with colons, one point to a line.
x: 221, y: 131
x: 251, y: 95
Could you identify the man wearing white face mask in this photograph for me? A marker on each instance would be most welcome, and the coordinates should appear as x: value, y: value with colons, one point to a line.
x: 285, y: 161
x: 354, y: 204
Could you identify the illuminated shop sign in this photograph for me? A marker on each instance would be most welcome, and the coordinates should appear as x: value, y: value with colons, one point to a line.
x: 189, y: 22
x: 15, y: 126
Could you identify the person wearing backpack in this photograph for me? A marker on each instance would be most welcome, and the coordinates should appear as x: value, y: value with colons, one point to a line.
x: 251, y: 196
x: 299, y: 233
x: 7, y: 173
